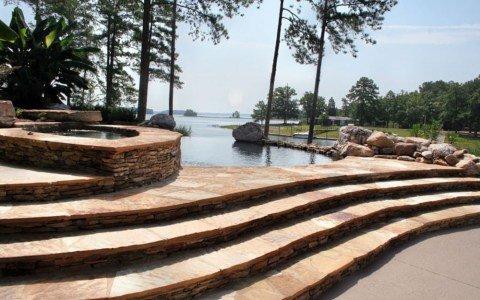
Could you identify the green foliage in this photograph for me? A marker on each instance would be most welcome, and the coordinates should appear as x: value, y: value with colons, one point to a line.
x: 46, y: 65
x: 18, y: 112
x: 331, y: 107
x: 111, y: 114
x: 427, y: 131
x: 284, y: 107
x: 364, y: 102
x: 259, y: 111
x: 184, y: 130
x: 306, y: 104
x: 236, y: 114
x: 190, y: 113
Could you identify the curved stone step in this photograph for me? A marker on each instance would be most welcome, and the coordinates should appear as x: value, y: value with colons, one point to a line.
x: 195, y: 191
x: 307, y: 277
x: 31, y: 252
x: 188, y: 274
x: 21, y: 184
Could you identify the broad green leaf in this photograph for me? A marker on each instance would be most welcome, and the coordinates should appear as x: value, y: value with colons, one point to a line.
x: 23, y: 36
x: 6, y: 33
x: 50, y: 38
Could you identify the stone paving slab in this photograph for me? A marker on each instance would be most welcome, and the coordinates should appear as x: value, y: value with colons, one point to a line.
x: 307, y: 277
x: 13, y: 175
x: 182, y: 274
x: 203, y: 187
x: 75, y: 248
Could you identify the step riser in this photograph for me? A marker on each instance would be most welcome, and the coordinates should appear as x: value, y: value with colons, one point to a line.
x: 315, y: 291
x: 282, y: 256
x: 259, y: 265
x: 51, y: 192
x: 98, y: 221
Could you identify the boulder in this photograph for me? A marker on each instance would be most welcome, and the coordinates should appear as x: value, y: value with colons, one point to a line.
x: 469, y: 166
x: 441, y: 150
x: 249, y: 132
x: 417, y: 154
x: 418, y: 141
x: 451, y: 159
x: 353, y: 149
x: 460, y: 153
x: 7, y: 114
x: 427, y: 154
x: 380, y: 140
x: 405, y: 149
x: 354, y: 134
x: 406, y: 158
x: 162, y: 121
x: 441, y: 162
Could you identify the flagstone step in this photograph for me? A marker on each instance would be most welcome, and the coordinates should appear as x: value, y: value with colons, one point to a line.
x: 29, y: 253
x: 190, y: 273
x: 20, y: 184
x: 150, y: 205
x: 308, y: 276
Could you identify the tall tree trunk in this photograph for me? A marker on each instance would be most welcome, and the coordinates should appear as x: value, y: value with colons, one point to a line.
x: 172, y: 58
x: 274, y: 71
x: 144, y: 62
x: 313, y: 111
x: 109, y: 73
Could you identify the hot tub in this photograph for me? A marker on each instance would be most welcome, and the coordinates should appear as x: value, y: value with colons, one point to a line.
x: 132, y: 155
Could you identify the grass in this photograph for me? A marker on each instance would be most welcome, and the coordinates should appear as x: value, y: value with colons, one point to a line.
x: 184, y: 130
x: 461, y: 142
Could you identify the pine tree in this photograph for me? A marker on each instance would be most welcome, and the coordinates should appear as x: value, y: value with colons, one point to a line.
x: 340, y: 21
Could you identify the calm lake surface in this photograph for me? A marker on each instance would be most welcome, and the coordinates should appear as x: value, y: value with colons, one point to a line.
x: 210, y: 145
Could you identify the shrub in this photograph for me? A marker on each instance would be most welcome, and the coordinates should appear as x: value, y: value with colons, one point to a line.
x: 184, y: 130
x: 427, y: 131
x: 43, y: 65
x: 111, y: 114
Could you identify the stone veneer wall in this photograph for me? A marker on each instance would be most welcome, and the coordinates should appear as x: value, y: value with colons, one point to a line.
x: 129, y: 168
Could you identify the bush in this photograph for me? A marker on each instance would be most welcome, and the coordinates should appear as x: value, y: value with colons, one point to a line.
x: 184, y: 130
x: 41, y: 65
x: 111, y: 114
x: 427, y: 131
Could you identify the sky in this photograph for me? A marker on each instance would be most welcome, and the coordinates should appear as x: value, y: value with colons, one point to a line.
x: 421, y: 40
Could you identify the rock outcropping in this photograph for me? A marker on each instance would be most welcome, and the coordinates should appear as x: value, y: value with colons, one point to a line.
x: 163, y: 121
x: 249, y: 132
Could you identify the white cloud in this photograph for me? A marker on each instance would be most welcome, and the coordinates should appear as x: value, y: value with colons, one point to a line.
x: 429, y: 35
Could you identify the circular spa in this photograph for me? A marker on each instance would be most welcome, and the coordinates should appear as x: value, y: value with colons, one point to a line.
x: 132, y: 155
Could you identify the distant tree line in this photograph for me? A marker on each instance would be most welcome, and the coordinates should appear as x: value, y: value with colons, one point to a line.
x: 455, y: 106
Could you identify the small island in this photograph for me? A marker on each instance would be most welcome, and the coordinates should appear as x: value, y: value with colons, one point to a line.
x: 236, y: 115
x: 190, y: 113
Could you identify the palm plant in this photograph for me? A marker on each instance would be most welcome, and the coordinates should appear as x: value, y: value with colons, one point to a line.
x: 46, y: 66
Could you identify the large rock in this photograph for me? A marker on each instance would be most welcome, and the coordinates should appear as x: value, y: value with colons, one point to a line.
x: 354, y: 134
x: 405, y: 149
x: 441, y: 150
x: 380, y: 140
x: 469, y: 166
x: 353, y: 149
x: 7, y: 114
x: 451, y: 159
x: 419, y: 141
x: 162, y: 121
x: 248, y: 132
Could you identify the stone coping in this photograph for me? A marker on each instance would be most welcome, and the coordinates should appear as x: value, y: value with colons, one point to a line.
x: 146, y: 137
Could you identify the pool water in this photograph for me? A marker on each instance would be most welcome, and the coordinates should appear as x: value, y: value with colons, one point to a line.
x: 210, y: 145
x: 89, y: 133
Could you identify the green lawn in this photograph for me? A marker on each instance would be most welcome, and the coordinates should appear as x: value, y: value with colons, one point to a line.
x: 470, y: 143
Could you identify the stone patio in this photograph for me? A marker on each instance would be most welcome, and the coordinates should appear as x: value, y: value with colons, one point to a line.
x: 222, y: 232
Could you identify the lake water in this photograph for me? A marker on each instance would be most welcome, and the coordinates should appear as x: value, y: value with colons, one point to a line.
x: 210, y: 145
